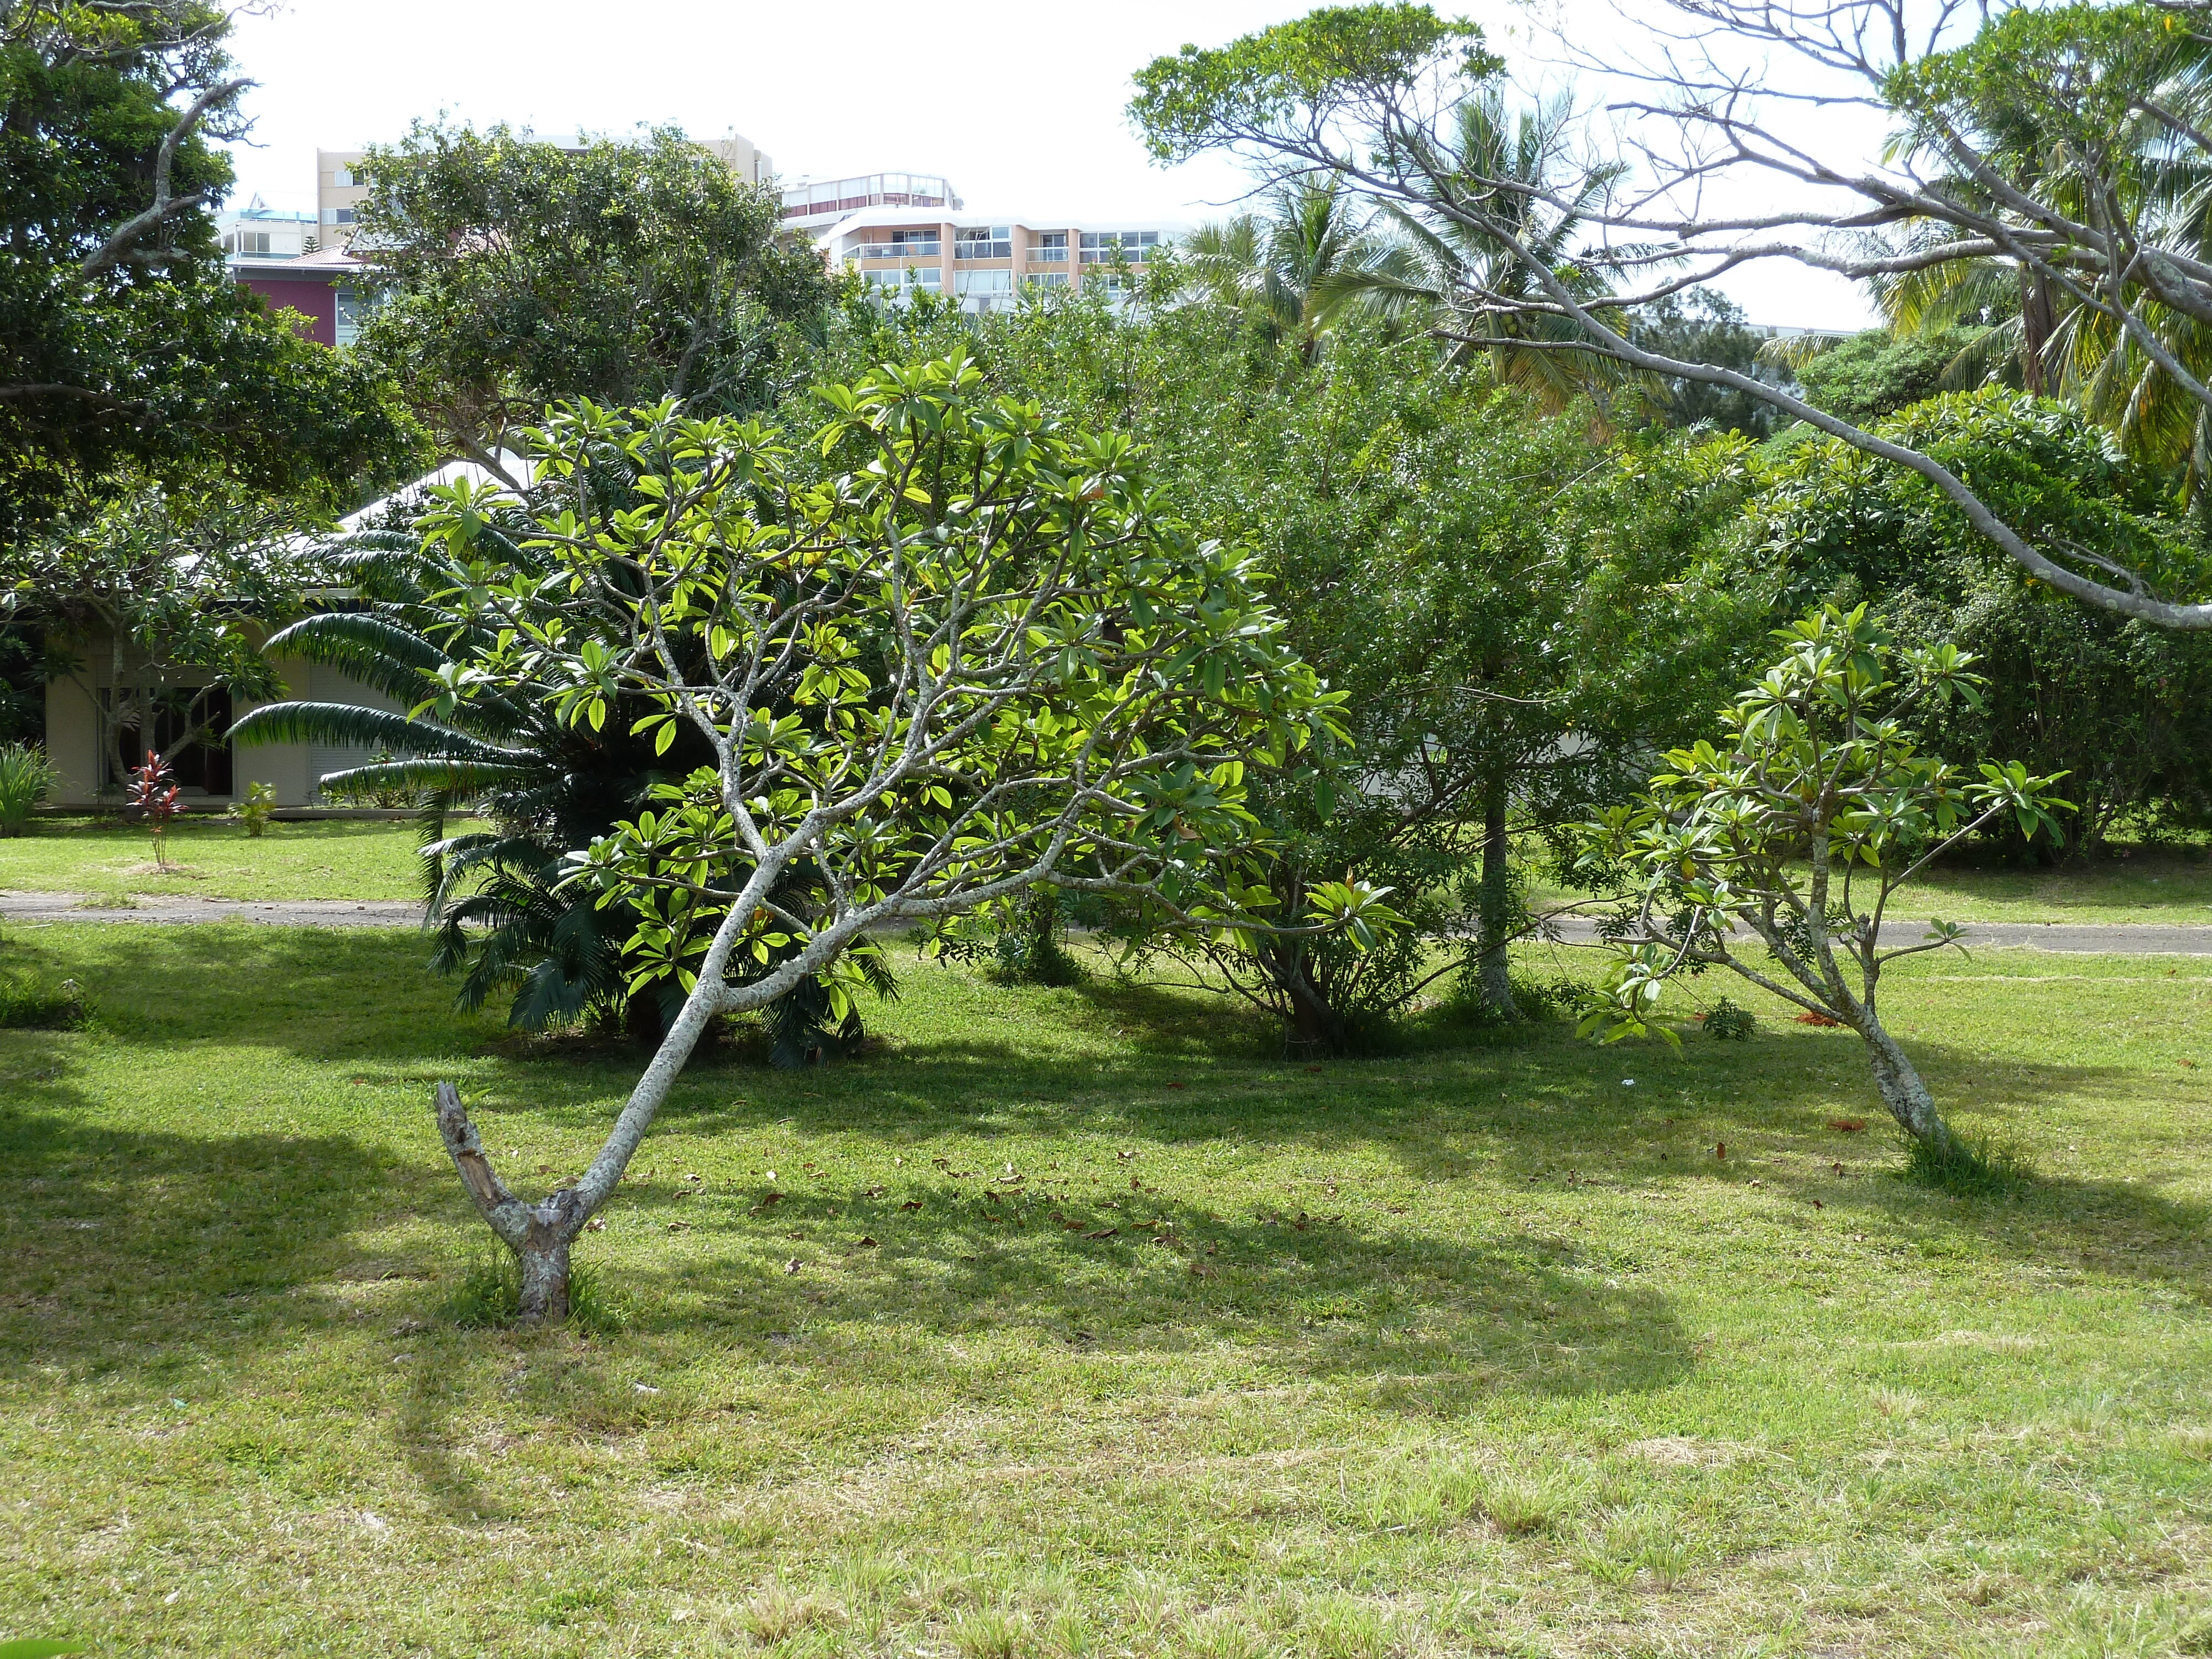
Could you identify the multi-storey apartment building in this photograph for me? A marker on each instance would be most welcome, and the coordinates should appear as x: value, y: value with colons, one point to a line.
x: 986, y: 262
x: 341, y: 187
x: 815, y: 204
x: 257, y: 230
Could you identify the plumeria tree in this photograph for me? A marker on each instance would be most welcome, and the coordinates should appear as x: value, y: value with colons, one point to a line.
x: 947, y: 651
x: 1776, y: 854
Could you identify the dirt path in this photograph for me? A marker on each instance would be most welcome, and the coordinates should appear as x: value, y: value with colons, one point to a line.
x: 283, y: 913
x: 2114, y: 938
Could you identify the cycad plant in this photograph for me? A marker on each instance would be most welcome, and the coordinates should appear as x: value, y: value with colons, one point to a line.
x: 501, y: 915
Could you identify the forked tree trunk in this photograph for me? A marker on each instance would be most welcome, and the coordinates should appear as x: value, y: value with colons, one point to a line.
x: 1493, y: 967
x: 540, y: 1234
x: 1899, y: 1087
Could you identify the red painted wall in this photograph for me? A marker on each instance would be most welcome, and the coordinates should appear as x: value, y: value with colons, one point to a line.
x: 316, y: 300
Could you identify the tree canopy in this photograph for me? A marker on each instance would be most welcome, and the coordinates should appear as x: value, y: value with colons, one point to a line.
x: 510, y: 273
x: 127, y: 351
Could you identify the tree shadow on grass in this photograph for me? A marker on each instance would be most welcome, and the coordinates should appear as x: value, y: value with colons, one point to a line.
x: 873, y: 1299
x: 149, y: 1253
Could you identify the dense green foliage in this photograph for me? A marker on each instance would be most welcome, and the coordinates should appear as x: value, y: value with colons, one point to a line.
x: 1877, y: 373
x: 2119, y: 706
x: 127, y: 351
x: 512, y: 274
x: 1504, y: 647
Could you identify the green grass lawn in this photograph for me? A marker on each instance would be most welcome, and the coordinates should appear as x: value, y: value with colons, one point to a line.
x: 2149, y: 884
x: 334, y: 859
x: 1474, y: 1349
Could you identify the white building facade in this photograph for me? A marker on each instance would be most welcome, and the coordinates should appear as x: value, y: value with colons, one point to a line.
x: 985, y: 260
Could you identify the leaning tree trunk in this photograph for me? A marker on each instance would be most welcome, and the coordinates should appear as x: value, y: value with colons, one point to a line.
x: 1493, y: 967
x: 1899, y: 1087
x: 540, y: 1234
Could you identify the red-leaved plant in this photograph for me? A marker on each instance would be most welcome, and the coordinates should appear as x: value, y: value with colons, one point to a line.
x: 154, y: 793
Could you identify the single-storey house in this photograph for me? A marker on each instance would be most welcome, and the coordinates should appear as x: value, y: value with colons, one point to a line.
x: 94, y: 729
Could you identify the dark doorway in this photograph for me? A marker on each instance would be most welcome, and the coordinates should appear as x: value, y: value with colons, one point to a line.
x: 202, y: 766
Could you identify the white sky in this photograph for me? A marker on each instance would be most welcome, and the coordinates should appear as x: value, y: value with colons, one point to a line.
x: 1018, y: 102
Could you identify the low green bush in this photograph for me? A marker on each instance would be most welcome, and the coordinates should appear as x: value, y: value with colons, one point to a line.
x: 27, y: 778
x: 1729, y: 1023
x: 257, y: 809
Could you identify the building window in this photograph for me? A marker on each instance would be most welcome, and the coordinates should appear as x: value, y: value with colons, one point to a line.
x: 343, y: 178
x: 1042, y: 279
x: 984, y: 242
x: 344, y: 216
x: 903, y: 284
x: 247, y: 241
x: 1050, y: 248
x: 1104, y: 248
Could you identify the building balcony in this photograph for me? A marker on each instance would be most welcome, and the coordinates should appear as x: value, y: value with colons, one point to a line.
x: 982, y: 250
x: 1048, y: 256
x: 895, y: 251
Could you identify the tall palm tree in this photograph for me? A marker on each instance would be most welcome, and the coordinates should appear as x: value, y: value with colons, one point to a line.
x: 2061, y: 347
x: 1469, y: 287
x: 1276, y: 267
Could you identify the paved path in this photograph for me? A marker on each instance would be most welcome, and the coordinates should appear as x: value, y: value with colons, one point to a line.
x: 2116, y: 939
x: 283, y: 913
x: 2124, y: 938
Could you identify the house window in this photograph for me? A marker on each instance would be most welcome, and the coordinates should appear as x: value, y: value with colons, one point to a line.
x: 984, y: 242
x: 202, y: 766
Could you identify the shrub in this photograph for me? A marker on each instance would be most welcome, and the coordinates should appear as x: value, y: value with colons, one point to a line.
x: 257, y: 809
x: 27, y: 777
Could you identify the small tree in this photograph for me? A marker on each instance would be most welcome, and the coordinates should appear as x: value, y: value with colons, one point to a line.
x: 1799, y: 831
x: 973, y: 657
